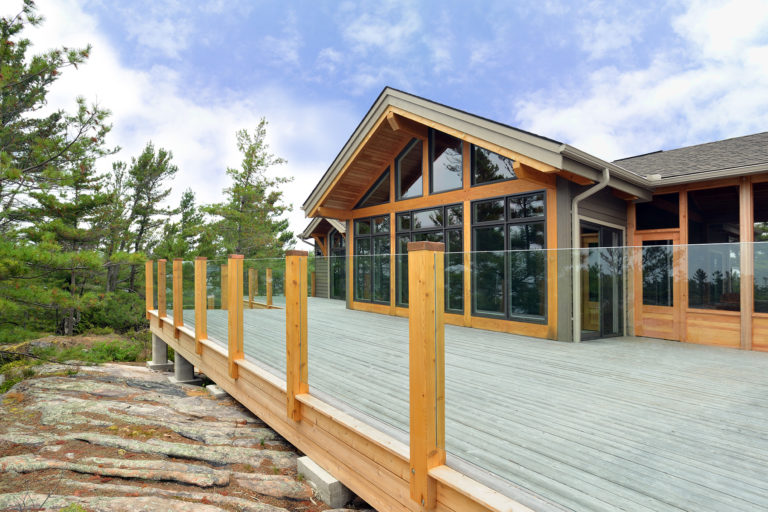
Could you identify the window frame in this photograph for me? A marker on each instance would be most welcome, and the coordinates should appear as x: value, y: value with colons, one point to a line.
x: 387, y: 173
x: 472, y: 182
x: 398, y: 158
x: 372, y: 236
x: 504, y: 224
x: 431, y: 159
x: 444, y: 229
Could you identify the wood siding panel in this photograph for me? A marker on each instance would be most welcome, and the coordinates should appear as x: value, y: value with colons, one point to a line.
x: 722, y: 329
x: 760, y: 333
x: 322, y: 277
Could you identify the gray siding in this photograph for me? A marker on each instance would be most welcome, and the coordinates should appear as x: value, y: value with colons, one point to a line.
x: 564, y: 283
x: 321, y: 277
x: 605, y: 207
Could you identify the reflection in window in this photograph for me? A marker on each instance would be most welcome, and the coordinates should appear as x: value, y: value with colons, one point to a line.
x: 338, y: 262
x: 372, y: 254
x: 408, y: 168
x: 657, y: 273
x: 445, y: 162
x: 761, y: 247
x: 489, y: 167
x: 378, y: 193
x: 662, y: 212
x: 509, y: 262
x: 713, y: 270
x: 443, y: 224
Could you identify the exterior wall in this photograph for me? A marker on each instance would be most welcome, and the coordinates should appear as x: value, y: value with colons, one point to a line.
x: 322, y: 288
x: 603, y: 207
x: 564, y: 273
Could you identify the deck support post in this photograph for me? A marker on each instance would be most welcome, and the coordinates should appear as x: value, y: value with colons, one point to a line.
x: 161, y: 285
x: 178, y: 296
x: 224, y: 286
x: 159, y: 360
x: 296, y: 330
x: 149, y: 293
x: 426, y: 331
x: 183, y: 371
x: 235, y: 313
x: 251, y: 286
x: 269, y: 287
x: 201, y: 311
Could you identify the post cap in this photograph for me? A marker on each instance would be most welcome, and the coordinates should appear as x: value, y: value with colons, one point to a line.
x: 426, y: 246
x: 294, y: 252
x: 162, y: 259
x: 178, y: 259
x: 236, y: 257
x: 200, y: 258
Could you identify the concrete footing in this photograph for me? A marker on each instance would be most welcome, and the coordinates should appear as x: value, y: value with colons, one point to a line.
x: 216, y: 391
x: 159, y: 360
x: 183, y: 371
x: 331, y: 491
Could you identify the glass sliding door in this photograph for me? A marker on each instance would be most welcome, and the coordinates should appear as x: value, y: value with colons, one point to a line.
x: 602, y: 285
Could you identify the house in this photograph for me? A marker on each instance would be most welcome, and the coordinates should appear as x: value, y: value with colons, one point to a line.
x: 543, y: 239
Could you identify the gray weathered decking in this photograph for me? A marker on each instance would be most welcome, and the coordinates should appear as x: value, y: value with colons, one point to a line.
x: 619, y: 424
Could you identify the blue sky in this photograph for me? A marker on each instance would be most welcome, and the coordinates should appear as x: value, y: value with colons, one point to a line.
x: 613, y: 78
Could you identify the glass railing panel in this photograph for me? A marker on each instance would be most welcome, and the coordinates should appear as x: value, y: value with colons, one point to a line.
x: 188, y: 293
x: 215, y: 301
x: 264, y: 312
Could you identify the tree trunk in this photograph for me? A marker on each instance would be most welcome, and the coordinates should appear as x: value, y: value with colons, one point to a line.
x: 113, y: 271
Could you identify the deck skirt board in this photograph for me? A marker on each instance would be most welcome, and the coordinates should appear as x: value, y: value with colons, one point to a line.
x: 619, y: 424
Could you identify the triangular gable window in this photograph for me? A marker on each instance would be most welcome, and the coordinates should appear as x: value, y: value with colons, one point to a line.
x: 378, y: 194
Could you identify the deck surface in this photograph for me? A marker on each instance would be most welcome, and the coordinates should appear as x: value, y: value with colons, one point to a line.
x: 619, y: 424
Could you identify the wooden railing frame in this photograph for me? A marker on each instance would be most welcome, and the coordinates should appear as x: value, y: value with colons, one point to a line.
x: 269, y: 287
x: 149, y: 293
x: 161, y: 285
x: 225, y: 286
x: 385, y: 472
x: 178, y: 295
x: 252, y: 283
x: 235, y: 313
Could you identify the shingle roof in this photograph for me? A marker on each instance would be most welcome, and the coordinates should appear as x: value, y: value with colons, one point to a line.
x: 712, y: 156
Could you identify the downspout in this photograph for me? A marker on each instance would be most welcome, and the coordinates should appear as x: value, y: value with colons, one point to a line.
x: 575, y: 239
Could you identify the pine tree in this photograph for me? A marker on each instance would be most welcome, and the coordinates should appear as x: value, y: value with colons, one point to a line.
x: 249, y: 219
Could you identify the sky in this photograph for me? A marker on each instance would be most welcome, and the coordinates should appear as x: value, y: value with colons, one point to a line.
x: 613, y: 78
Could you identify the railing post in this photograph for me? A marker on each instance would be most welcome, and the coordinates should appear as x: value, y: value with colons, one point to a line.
x: 161, y: 284
x: 178, y: 296
x: 426, y: 304
x: 201, y: 299
x: 235, y: 313
x: 251, y: 286
x: 149, y: 299
x: 296, y: 330
x: 224, y: 286
x: 312, y: 285
x: 269, y: 287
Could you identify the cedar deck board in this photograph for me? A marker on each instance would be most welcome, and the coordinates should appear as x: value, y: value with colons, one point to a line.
x: 604, y: 425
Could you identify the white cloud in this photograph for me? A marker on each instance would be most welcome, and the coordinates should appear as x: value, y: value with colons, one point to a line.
x: 713, y: 86
x: 284, y: 49
x: 199, y: 129
x: 388, y: 26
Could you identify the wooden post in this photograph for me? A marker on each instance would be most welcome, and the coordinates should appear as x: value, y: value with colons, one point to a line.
x: 747, y: 257
x: 224, y: 287
x: 296, y: 330
x: 161, y: 284
x: 312, y: 284
x: 149, y: 299
x: 235, y: 316
x: 201, y: 299
x: 269, y: 287
x: 178, y: 296
x: 682, y: 275
x: 251, y: 286
x: 426, y: 303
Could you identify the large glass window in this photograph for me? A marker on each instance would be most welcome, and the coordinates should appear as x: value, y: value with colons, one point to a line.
x: 761, y: 247
x: 445, y: 162
x: 713, y: 256
x: 338, y: 255
x: 378, y: 193
x: 441, y: 224
x: 657, y: 273
x: 372, y: 253
x: 490, y: 167
x: 509, y: 261
x: 408, y: 165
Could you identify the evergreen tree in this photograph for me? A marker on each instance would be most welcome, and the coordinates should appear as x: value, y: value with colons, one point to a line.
x: 249, y: 219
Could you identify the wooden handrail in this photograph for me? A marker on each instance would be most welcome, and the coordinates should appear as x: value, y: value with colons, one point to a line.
x: 426, y: 356
x: 149, y: 293
x: 178, y: 295
x: 201, y: 302
x: 161, y: 284
x: 235, y: 313
x: 296, y: 373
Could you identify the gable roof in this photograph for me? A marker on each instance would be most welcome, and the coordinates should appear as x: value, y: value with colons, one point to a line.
x: 547, y: 151
x: 741, y: 155
x: 336, y: 224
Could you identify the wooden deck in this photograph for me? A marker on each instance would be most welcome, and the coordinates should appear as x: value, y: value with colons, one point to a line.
x: 619, y: 424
